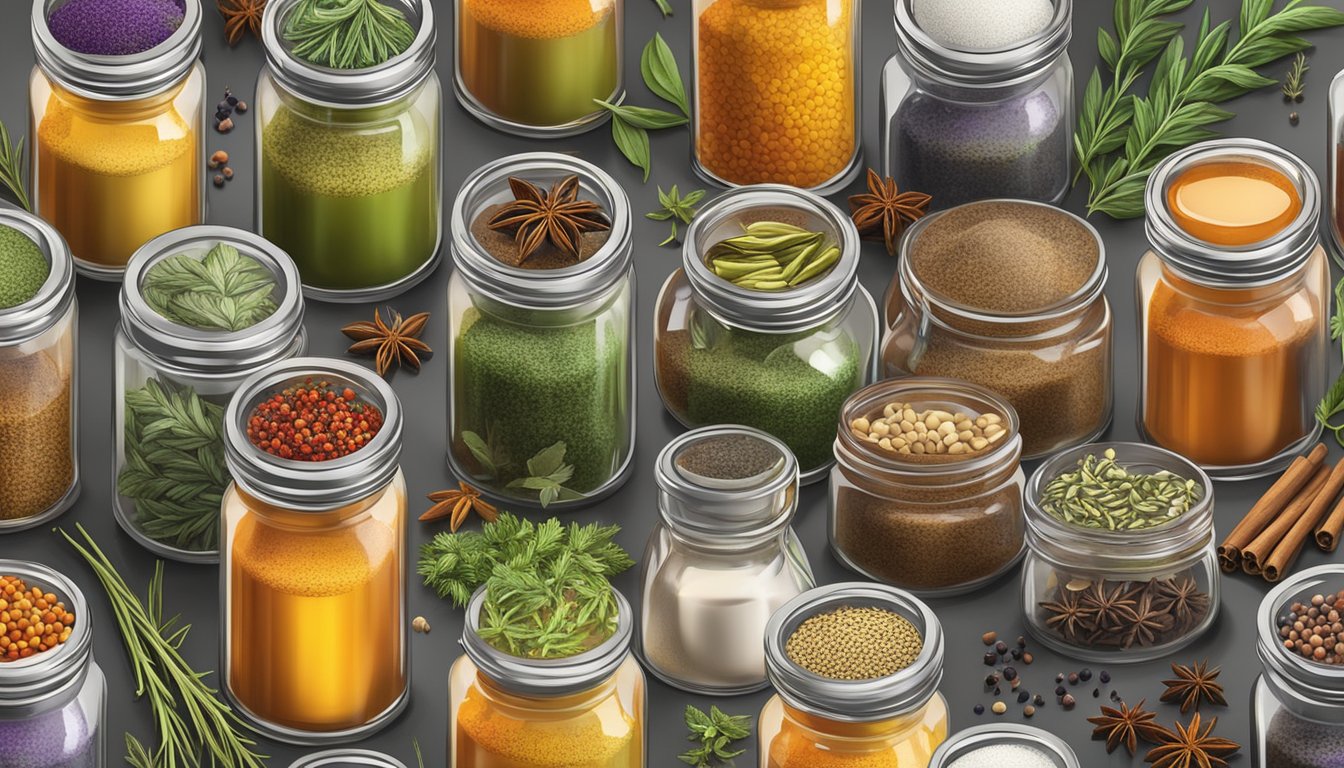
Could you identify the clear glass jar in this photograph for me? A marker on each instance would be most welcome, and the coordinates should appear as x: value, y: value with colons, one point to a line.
x: 39, y: 373
x: 816, y: 722
x: 169, y: 491
x: 965, y: 125
x: 53, y: 705
x: 349, y: 180
x: 508, y: 711
x: 776, y: 90
x: 723, y: 559
x: 1052, y: 363
x: 981, y: 737
x: 937, y: 527
x: 1168, y: 573
x: 540, y: 357
x: 347, y: 758
x: 1334, y: 166
x: 1252, y: 313
x: 780, y: 361
x: 306, y: 546
x: 118, y: 142
x: 534, y: 67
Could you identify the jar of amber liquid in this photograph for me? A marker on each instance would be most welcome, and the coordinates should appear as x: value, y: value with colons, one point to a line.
x: 313, y: 553
x: 1233, y: 308
x: 117, y: 144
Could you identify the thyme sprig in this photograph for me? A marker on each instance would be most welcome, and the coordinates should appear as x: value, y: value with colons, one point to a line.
x: 347, y: 34
x: 12, y: 169
x: 715, y: 731
x: 1294, y: 85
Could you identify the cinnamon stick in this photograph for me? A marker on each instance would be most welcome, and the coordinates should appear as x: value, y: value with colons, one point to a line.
x: 1328, y: 534
x: 1254, y: 554
x: 1285, y: 554
x: 1279, y: 495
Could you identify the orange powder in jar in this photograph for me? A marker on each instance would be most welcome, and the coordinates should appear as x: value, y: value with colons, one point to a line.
x: 497, y: 731
x: 804, y: 741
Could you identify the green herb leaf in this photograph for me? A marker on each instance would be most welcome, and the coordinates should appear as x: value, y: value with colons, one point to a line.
x: 347, y: 34
x: 482, y: 452
x: 676, y: 208
x: 137, y: 755
x: 419, y: 758
x: 223, y: 291
x: 633, y: 143
x: 661, y: 74
x: 13, y: 169
x: 715, y: 732
x: 665, y: 7
x: 1294, y: 86
x: 648, y: 118
x: 547, y: 460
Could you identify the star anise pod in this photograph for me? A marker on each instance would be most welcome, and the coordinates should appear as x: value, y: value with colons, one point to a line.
x: 457, y: 503
x: 241, y: 16
x: 883, y: 212
x: 1148, y: 625
x: 1183, y: 599
x: 1192, y: 746
x: 1127, y: 725
x: 560, y: 217
x: 1194, y: 683
x: 1113, y: 604
x: 1066, y: 614
x: 391, y: 343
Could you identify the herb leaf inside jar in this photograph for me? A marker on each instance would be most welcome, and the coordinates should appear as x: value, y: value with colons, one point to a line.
x: 1103, y: 494
x: 222, y: 291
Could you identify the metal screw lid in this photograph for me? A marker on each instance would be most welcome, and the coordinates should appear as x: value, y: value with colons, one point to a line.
x: 990, y: 68
x: 31, y: 318
x: 31, y: 685
x: 347, y: 758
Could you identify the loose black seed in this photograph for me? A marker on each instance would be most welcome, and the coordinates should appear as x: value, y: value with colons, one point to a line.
x: 1017, y: 653
x: 1085, y: 675
x: 991, y: 680
x: 1009, y: 673
x: 991, y: 658
x: 231, y: 99
x: 1023, y: 697
x: 1001, y: 648
x: 1060, y: 690
x: 1115, y: 695
x: 997, y: 691
x: 979, y: 709
x: 1021, y: 641
x: 1096, y: 693
x: 1038, y: 700
x: 1105, y: 676
x: 1059, y: 678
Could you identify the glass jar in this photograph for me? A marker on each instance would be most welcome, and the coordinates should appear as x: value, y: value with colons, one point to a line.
x: 53, y: 705
x: 508, y: 711
x: 1220, y: 304
x: 776, y: 89
x: 962, y: 124
x: 169, y: 491
x: 1047, y: 350
x: 348, y: 758
x: 534, y: 67
x: 349, y: 181
x: 780, y: 361
x: 118, y: 142
x: 39, y: 374
x: 1167, y: 574
x: 723, y: 559
x: 997, y: 737
x: 817, y: 722
x: 936, y: 526
x: 540, y: 357
x: 306, y: 546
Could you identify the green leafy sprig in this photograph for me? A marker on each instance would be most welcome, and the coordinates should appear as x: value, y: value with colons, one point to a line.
x: 547, y: 474
x: 665, y: 7
x: 715, y: 731
x: 222, y: 291
x: 13, y: 169
x: 630, y: 125
x: 137, y: 754
x: 1295, y: 85
x: 676, y: 209
x: 347, y: 34
x: 1333, y: 404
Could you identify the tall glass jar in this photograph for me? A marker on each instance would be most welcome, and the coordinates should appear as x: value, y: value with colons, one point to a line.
x: 965, y: 123
x: 170, y: 483
x: 817, y: 722
x: 39, y: 454
x: 1244, y: 301
x: 541, y: 358
x: 777, y: 96
x: 509, y: 711
x: 1120, y: 595
x: 118, y: 141
x: 53, y: 705
x: 723, y: 559
x: 780, y: 361
x: 934, y: 524
x: 997, y: 738
x: 309, y: 547
x: 349, y: 180
x: 347, y: 758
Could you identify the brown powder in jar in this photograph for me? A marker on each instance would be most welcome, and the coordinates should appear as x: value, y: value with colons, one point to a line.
x: 504, y: 247
x: 728, y: 457
x: 36, y: 461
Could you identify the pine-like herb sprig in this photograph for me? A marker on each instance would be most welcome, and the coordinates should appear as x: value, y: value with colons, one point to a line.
x: 1295, y: 85
x: 347, y: 34
x: 222, y: 291
x: 13, y: 169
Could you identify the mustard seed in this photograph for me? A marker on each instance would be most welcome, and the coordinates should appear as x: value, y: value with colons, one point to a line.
x: 855, y: 644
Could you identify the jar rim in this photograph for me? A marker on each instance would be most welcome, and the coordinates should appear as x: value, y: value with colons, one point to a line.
x: 342, y: 758
x: 55, y: 296
x: 971, y: 739
x: 982, y: 68
x: 27, y: 683
x: 1310, y: 688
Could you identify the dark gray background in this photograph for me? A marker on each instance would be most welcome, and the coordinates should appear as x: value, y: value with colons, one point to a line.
x: 192, y: 589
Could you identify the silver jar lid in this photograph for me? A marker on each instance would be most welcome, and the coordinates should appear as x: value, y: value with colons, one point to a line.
x: 30, y: 685
x: 30, y: 319
x: 986, y: 68
x: 207, y: 350
x: 108, y: 78
x: 1308, y: 688
x: 1234, y: 266
x: 347, y: 758
x: 313, y: 486
x: 981, y: 736
x: 855, y: 701
x: 369, y: 87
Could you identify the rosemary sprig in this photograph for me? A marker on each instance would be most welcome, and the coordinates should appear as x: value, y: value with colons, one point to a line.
x: 137, y: 754
x: 715, y: 732
x: 1294, y: 86
x: 347, y: 34
x: 222, y: 291
x: 676, y: 209
x: 13, y: 169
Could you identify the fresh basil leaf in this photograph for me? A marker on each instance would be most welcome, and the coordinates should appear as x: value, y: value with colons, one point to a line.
x: 633, y: 143
x: 659, y: 68
x: 648, y: 118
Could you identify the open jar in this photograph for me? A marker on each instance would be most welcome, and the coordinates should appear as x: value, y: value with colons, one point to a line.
x: 1236, y: 289
x: 313, y: 535
x: 723, y: 559
x: 118, y: 137
x: 348, y: 758
x: 1104, y: 583
x: 1007, y: 745
x: 907, y: 512
x: 819, y: 721
x: 781, y: 360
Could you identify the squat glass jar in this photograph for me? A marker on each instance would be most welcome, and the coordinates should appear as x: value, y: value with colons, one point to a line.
x: 349, y: 180
x: 307, y: 545
x: 999, y: 737
x: 723, y: 559
x: 348, y: 758
x: 118, y: 141
x: 169, y: 490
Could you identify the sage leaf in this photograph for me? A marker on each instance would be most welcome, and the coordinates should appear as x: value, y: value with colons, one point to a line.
x: 661, y: 75
x: 633, y: 143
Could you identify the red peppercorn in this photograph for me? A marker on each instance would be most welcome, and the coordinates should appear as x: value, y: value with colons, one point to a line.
x: 313, y: 422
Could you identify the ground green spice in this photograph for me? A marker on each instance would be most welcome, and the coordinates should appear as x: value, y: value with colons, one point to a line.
x: 23, y: 268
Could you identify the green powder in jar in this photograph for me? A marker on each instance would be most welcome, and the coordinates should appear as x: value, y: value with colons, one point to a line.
x: 23, y: 268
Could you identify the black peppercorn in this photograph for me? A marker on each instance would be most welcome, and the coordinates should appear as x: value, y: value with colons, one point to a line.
x: 1085, y: 674
x: 991, y: 658
x: 979, y: 709
x: 1096, y: 693
x: 1009, y: 673
x: 991, y: 680
x: 1001, y: 648
x: 1021, y: 641
x: 1038, y: 700
x: 1105, y: 676
x: 1017, y: 654
x: 1060, y: 690
x: 1023, y: 697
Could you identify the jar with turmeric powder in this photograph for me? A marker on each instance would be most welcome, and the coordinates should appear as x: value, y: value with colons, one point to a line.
x: 1234, y: 301
x: 313, y: 545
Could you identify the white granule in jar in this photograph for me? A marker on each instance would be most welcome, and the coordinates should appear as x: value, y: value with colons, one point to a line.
x: 982, y: 24
x: 1005, y: 756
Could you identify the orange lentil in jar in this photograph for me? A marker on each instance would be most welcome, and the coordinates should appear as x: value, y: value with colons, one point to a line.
x: 33, y: 621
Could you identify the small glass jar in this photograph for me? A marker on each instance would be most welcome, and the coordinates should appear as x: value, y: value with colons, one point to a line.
x: 39, y: 374
x: 535, y: 67
x: 349, y: 180
x: 1083, y: 587
x: 508, y: 711
x: 1226, y: 304
x: 780, y: 361
x: 934, y: 525
x: 118, y: 142
x: 776, y: 90
x: 348, y: 758
x: 168, y: 492
x: 816, y: 722
x: 722, y: 561
x: 540, y: 358
x: 307, y: 545
x: 965, y: 124
x: 53, y: 705
x: 997, y: 737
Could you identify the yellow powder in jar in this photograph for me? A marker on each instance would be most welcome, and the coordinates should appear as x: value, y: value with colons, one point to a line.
x: 805, y: 741
x: 490, y: 735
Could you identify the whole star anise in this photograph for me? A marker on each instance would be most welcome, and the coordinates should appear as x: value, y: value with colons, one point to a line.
x: 396, y: 342
x: 1192, y: 746
x: 457, y: 503
x: 1126, y: 725
x: 1194, y: 684
x: 1066, y: 614
x: 241, y: 16
x: 1183, y: 599
x: 1113, y: 604
x: 883, y: 212
x: 560, y: 217
x: 1148, y: 625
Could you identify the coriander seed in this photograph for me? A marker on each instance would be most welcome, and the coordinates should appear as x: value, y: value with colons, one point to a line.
x: 855, y: 644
